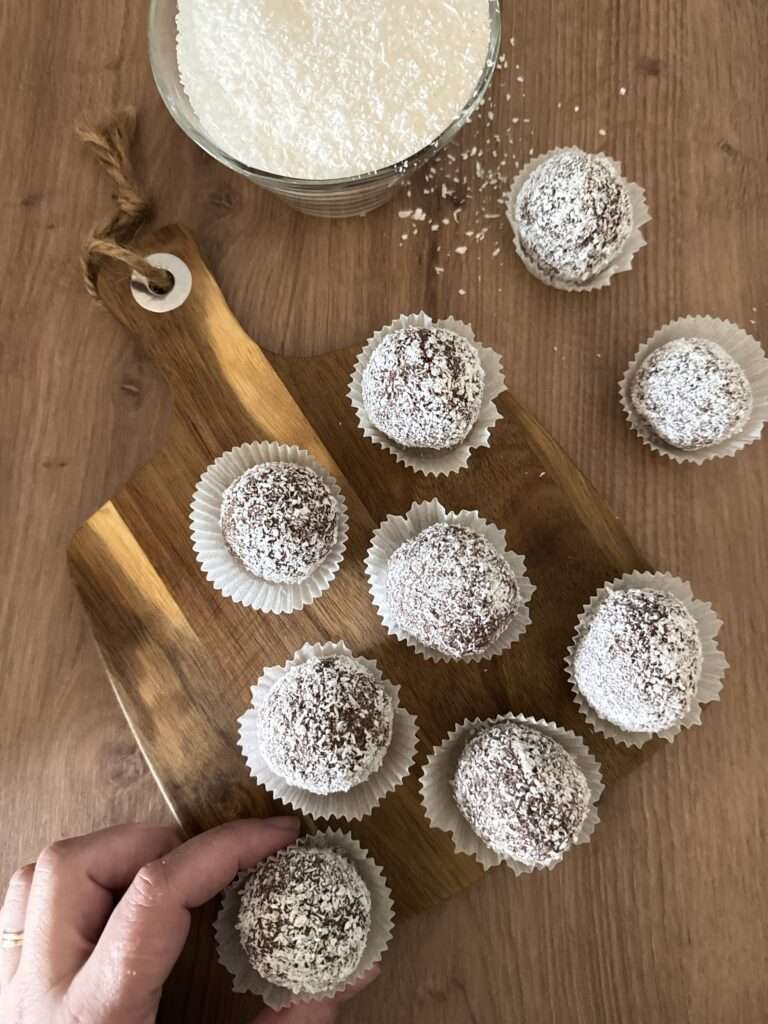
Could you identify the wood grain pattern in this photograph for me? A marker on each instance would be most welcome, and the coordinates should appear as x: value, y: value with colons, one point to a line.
x: 663, y: 919
x: 181, y: 657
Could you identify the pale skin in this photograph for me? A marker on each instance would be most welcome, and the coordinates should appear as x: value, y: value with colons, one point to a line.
x: 87, y: 959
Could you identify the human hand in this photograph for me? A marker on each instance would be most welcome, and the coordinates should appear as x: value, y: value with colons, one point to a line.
x: 88, y: 959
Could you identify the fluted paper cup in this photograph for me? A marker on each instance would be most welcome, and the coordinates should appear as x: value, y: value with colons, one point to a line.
x: 440, y: 805
x: 621, y: 262
x: 232, y: 956
x: 433, y: 463
x: 713, y: 667
x: 217, y: 562
x: 741, y: 347
x: 395, y: 530
x: 361, y: 799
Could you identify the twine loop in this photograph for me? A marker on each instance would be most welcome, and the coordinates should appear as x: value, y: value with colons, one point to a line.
x: 113, y: 239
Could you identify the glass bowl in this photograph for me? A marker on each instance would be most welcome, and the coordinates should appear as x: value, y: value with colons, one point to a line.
x: 332, y: 197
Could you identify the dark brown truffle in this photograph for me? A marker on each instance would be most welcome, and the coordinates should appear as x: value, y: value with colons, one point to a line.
x: 304, y: 919
x: 521, y: 792
x: 326, y: 725
x: 691, y: 394
x: 280, y: 520
x: 451, y: 590
x: 638, y: 659
x: 572, y: 216
x: 423, y: 387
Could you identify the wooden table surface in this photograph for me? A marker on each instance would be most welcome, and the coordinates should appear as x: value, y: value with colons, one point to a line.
x: 664, y: 917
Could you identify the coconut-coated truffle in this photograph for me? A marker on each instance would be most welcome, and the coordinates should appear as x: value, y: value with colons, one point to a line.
x: 573, y: 215
x: 691, y: 394
x: 304, y: 919
x: 451, y: 590
x: 521, y: 793
x: 326, y: 725
x: 638, y: 660
x: 423, y: 387
x: 280, y: 520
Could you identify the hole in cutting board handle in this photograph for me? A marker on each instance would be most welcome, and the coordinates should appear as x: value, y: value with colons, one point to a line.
x: 150, y: 298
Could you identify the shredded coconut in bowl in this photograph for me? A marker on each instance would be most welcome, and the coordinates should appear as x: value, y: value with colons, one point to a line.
x: 329, y: 88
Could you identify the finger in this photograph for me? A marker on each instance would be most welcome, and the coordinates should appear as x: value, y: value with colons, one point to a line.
x: 72, y: 894
x: 145, y: 935
x: 323, y: 1012
x: 12, y: 918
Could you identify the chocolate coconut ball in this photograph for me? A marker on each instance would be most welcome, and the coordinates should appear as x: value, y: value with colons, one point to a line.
x: 691, y: 394
x: 280, y: 520
x: 521, y: 792
x: 304, y: 919
x: 423, y: 387
x: 326, y: 725
x: 451, y: 590
x: 638, y: 660
x: 572, y: 216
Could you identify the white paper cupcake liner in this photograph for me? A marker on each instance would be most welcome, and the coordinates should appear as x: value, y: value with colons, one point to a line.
x: 713, y: 666
x: 397, y: 529
x: 440, y: 805
x: 220, y: 566
x: 361, y: 799
x: 232, y: 956
x: 435, y: 463
x: 621, y: 262
x: 742, y: 347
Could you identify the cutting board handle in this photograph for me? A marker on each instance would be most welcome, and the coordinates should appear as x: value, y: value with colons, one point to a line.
x: 216, y: 373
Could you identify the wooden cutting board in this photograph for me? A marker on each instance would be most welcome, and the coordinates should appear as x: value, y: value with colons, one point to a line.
x: 181, y: 658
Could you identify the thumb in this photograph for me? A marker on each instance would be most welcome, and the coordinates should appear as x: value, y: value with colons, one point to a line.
x: 318, y: 1012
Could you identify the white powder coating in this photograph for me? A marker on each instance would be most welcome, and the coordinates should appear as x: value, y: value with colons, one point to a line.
x: 521, y: 793
x: 573, y: 214
x: 329, y: 88
x: 423, y: 387
x: 326, y: 725
x: 451, y: 589
x: 304, y: 919
x: 692, y: 394
x: 639, y: 659
x: 280, y: 520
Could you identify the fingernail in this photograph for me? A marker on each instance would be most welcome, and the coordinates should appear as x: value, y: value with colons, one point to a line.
x: 285, y: 822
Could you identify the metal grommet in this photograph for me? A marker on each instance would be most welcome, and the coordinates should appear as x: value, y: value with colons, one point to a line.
x: 152, y: 300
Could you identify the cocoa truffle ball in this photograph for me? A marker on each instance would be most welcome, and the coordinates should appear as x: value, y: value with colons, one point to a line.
x: 451, y: 590
x: 423, y: 387
x: 638, y: 660
x: 326, y: 725
x: 521, y: 792
x: 572, y: 216
x: 691, y: 394
x: 304, y: 919
x: 280, y: 520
